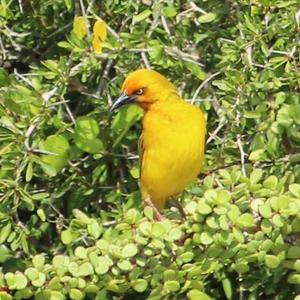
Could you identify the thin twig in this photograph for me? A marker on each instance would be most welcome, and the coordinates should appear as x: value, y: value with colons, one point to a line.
x: 138, y: 50
x: 203, y: 84
x: 175, y: 52
x: 197, y: 8
x: 145, y: 60
x: 69, y: 113
x: 40, y: 151
x: 183, y: 13
x: 154, y: 23
x: 29, y: 133
x: 165, y: 26
x: 20, y: 76
x: 104, y: 76
x: 242, y: 154
x: 222, y: 119
x: 47, y: 95
x: 110, y: 223
x: 2, y: 49
x: 59, y: 30
x: 87, y: 23
x: 213, y: 136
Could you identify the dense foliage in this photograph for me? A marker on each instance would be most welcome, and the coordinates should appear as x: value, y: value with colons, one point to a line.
x: 72, y: 223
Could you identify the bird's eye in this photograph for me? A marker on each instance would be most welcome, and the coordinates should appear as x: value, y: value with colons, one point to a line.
x: 139, y: 91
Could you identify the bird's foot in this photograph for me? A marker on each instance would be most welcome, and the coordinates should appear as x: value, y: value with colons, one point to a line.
x: 158, y: 216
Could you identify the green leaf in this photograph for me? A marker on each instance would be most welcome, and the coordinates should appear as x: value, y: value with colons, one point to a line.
x: 270, y: 182
x: 40, y: 212
x: 206, y: 238
x: 29, y: 172
x: 227, y: 288
x: 242, y: 268
x: 224, y: 197
x: 234, y: 213
x: 170, y: 11
x: 94, y: 229
x: 142, y: 16
x: 272, y: 261
x: 256, y: 176
x: 129, y: 250
x: 295, y: 189
x: 124, y: 265
x: 158, y: 229
x: 265, y: 210
x: 172, y: 285
x: 196, y: 70
x: 223, y: 85
x: 5, y: 296
x: 55, y: 295
x: 86, y: 135
x: 257, y: 154
x: 76, y: 294
x: 103, y: 265
x: 39, y: 282
x: 245, y: 220
x: 80, y: 252
x: 20, y: 281
x: 32, y: 273
x: 175, y: 234
x: 203, y: 208
x: 66, y: 237
x: 139, y: 285
x: 207, y: 18
x: 38, y: 261
x: 57, y: 146
x: 4, y: 232
x: 197, y: 295
x: 4, y: 79
x: 85, y: 269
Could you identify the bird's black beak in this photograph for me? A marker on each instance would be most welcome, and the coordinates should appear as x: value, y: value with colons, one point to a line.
x: 122, y: 100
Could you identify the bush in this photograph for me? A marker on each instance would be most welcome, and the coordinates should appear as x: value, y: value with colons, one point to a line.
x: 72, y: 223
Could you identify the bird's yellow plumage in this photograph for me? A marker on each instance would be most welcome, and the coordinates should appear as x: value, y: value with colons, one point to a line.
x: 173, y: 137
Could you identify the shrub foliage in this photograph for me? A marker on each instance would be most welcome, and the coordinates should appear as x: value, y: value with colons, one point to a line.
x: 72, y: 223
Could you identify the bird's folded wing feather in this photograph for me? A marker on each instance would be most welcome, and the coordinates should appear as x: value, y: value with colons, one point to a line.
x: 141, y: 154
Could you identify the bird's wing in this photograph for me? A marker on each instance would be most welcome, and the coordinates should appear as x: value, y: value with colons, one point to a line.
x: 141, y: 154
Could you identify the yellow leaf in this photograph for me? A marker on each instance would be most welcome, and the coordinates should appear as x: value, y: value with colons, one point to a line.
x: 100, y: 30
x: 79, y: 27
x: 97, y: 45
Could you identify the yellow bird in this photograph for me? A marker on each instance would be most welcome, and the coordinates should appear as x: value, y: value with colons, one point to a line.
x: 173, y: 138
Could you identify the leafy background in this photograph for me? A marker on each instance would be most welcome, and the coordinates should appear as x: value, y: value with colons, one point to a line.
x: 72, y: 224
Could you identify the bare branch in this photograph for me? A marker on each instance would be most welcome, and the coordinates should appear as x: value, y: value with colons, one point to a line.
x: 165, y: 25
x: 197, y: 8
x: 104, y: 76
x: 47, y: 95
x: 145, y: 60
x: 69, y: 112
x: 87, y: 23
x: 20, y: 6
x: 213, y: 136
x: 242, y: 154
x: 175, y: 52
x: 2, y: 49
x: 208, y: 79
x: 222, y: 119
x: 20, y: 76
x: 29, y: 133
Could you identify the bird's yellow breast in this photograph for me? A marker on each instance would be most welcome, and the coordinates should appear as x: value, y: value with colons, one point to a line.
x: 173, y: 149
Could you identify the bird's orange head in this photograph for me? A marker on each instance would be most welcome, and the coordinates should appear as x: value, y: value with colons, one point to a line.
x: 144, y: 87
